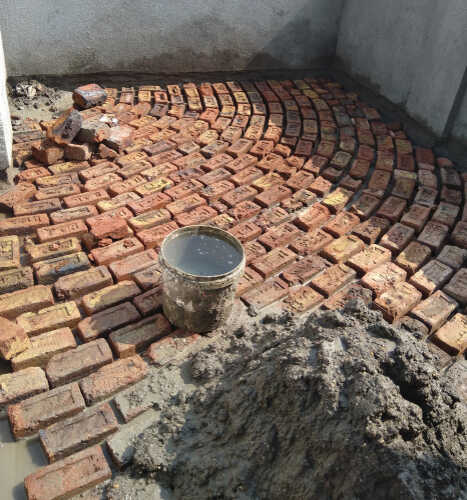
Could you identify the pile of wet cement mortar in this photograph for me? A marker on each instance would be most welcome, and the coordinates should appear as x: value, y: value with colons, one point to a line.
x: 340, y: 405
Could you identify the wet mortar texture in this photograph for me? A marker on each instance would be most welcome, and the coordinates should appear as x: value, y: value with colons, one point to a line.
x: 332, y: 203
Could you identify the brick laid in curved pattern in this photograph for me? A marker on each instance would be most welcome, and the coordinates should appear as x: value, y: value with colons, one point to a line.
x: 329, y: 201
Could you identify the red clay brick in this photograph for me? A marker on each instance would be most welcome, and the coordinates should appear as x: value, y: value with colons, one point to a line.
x: 459, y: 235
x: 117, y: 202
x: 126, y: 268
x: 40, y: 411
x: 342, y: 248
x: 341, y: 224
x: 152, y: 202
x: 23, y: 225
x: 435, y: 310
x: 302, y: 300
x: 199, y: 215
x: 67, y: 229
x: 81, y: 283
x: 431, y: 277
x: 446, y: 213
x: 149, y: 302
x: 416, y: 217
x: 57, y: 191
x: 69, y: 476
x: 253, y: 250
x: 56, y: 316
x: 350, y: 292
x: 148, y: 277
x: 250, y: 279
x: 116, y: 251
x: 457, y: 287
x: 303, y: 270
x: 453, y: 256
x: 266, y: 294
x: 433, y: 235
x: 89, y: 198
x: 332, y: 279
x: 109, y: 296
x: 413, y: 257
x: 383, y: 277
x: 152, y: 238
x: 13, y: 339
x: 280, y: 235
x: 30, y: 300
x: 112, y: 378
x: 397, y: 238
x: 452, y: 337
x: 71, y: 214
x: 37, y: 207
x: 273, y: 196
x: 9, y: 252
x: 245, y: 231
x: 398, y: 301
x: 426, y: 196
x: 129, y: 340
x: 273, y: 262
x: 313, y: 217
x: 77, y: 432
x: 22, y: 385
x: 101, y: 323
x: 392, y: 208
x: 369, y: 258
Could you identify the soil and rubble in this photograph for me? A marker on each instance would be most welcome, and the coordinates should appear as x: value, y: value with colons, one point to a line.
x: 336, y: 405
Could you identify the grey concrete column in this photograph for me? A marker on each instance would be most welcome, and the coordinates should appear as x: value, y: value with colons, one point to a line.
x: 6, y: 133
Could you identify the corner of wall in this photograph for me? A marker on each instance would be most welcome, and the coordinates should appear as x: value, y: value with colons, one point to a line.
x: 6, y: 133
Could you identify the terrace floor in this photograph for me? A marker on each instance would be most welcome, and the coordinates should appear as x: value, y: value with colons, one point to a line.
x: 330, y: 201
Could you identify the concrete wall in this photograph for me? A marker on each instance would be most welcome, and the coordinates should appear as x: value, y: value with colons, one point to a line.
x: 64, y: 37
x: 413, y: 52
x: 6, y: 134
x: 459, y: 129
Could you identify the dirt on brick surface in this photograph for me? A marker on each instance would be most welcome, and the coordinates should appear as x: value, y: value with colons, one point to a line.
x: 336, y: 405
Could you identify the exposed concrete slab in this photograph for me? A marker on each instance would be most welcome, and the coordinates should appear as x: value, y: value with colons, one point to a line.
x: 6, y: 134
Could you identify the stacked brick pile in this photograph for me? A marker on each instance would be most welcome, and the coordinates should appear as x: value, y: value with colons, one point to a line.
x: 329, y: 201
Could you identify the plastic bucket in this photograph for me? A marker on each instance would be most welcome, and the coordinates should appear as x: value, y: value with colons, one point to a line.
x: 201, y: 266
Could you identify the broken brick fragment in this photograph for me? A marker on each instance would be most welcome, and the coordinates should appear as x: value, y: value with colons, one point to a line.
x: 66, y: 127
x: 13, y: 339
x: 89, y: 95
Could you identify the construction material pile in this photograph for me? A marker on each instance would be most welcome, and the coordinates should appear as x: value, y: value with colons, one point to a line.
x: 344, y: 406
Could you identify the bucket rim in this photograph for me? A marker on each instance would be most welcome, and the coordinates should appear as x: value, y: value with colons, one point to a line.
x: 209, y: 229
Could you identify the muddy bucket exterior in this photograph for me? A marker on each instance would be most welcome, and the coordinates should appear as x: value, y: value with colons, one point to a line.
x: 200, y: 302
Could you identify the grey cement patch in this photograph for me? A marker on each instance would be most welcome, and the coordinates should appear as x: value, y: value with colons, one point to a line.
x: 335, y: 405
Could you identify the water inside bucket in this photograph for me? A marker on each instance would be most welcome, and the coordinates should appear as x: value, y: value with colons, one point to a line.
x: 202, y: 254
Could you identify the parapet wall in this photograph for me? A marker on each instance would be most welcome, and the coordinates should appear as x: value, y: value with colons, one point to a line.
x: 63, y: 37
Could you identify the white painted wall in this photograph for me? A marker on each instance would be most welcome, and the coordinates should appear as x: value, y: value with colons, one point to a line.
x: 162, y: 36
x: 5, y: 122
x: 411, y: 51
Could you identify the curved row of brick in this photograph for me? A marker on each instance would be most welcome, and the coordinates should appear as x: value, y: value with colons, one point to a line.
x: 329, y: 201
